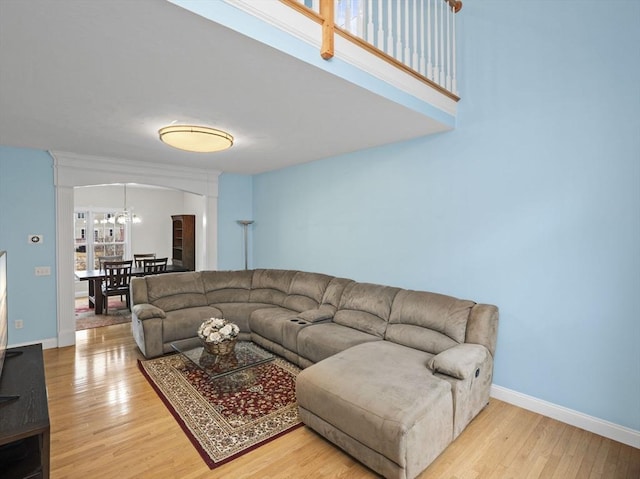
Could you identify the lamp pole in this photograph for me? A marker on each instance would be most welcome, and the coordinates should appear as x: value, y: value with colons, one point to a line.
x: 245, y: 224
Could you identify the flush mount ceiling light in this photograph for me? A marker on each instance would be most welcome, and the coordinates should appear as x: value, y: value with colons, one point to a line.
x: 200, y: 139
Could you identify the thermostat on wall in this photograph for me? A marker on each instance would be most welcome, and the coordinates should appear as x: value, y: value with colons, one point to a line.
x: 35, y: 239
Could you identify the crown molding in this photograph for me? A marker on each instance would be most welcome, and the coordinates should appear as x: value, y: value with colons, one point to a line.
x: 72, y: 169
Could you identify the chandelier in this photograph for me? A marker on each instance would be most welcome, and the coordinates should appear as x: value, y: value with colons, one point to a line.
x: 126, y: 215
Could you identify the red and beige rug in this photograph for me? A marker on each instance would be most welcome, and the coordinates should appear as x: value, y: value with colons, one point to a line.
x: 230, y: 416
x: 87, y: 319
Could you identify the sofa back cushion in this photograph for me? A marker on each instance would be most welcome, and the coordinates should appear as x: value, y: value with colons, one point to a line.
x: 306, y: 291
x: 227, y: 286
x: 426, y: 321
x: 173, y: 291
x: 333, y: 293
x: 366, y: 307
x: 270, y: 286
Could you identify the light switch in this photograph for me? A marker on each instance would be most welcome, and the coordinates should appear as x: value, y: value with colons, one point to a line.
x: 43, y: 270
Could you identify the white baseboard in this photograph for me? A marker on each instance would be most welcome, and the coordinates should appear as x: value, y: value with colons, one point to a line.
x: 46, y: 343
x: 592, y: 424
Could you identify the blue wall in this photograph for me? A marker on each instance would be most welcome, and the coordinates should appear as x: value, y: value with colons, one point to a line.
x: 27, y: 206
x: 532, y: 203
x: 234, y: 203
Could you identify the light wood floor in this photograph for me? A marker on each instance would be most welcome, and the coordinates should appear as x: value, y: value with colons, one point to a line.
x: 107, y: 422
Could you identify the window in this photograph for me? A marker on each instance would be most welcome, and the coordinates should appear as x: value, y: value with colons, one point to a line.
x: 109, y: 237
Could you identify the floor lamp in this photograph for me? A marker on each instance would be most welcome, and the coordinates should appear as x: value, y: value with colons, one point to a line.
x: 245, y: 224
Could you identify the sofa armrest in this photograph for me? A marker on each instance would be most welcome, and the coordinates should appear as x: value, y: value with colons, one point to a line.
x: 148, y: 311
x: 461, y: 361
x: 316, y: 315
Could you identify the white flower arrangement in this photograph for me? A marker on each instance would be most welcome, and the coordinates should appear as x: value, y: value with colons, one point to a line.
x: 217, y: 330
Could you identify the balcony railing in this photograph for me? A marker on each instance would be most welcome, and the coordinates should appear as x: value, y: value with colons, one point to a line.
x: 418, y: 36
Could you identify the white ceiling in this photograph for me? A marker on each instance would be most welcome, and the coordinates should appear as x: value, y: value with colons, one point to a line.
x: 101, y: 77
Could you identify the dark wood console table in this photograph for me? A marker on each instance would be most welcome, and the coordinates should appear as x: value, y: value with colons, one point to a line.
x: 24, y: 422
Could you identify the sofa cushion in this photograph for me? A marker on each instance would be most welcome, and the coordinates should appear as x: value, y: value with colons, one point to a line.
x: 382, y: 395
x: 306, y: 291
x: 319, y: 341
x: 227, y: 286
x: 184, y: 323
x: 428, y: 321
x: 366, y: 307
x: 268, y: 322
x: 270, y: 286
x: 173, y: 291
x: 239, y: 313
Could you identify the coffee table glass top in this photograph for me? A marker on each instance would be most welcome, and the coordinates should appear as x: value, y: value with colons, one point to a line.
x: 245, y: 355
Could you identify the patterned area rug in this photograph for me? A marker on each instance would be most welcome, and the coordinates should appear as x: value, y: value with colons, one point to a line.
x: 87, y: 319
x: 229, y: 416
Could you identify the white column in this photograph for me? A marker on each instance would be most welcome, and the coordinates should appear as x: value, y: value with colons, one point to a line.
x: 65, y: 266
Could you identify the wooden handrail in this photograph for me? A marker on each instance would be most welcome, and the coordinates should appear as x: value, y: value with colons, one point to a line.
x: 328, y: 28
x: 328, y: 48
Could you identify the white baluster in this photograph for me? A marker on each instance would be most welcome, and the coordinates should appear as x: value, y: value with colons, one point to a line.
x: 380, y: 38
x: 441, y: 79
x: 422, y: 45
x: 369, y: 31
x: 414, y: 60
x: 454, y: 82
x: 448, y: 87
x: 389, y: 30
x: 399, y: 32
x: 407, y: 49
x: 429, y: 35
x: 360, y: 19
x: 436, y: 64
x: 315, y: 6
x: 347, y: 15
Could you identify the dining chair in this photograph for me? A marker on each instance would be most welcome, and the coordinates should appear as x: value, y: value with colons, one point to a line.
x: 155, y: 265
x: 104, y: 259
x: 139, y: 258
x: 117, y: 276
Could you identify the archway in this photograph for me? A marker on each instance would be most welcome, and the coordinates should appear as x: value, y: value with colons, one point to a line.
x: 71, y: 170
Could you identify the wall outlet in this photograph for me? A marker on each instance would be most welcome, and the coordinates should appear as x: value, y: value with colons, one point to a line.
x: 43, y: 270
x: 18, y: 324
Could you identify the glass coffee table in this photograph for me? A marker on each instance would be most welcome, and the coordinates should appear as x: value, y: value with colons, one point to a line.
x: 245, y: 355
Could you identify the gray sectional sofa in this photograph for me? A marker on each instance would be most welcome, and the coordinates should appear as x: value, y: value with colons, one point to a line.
x: 391, y: 376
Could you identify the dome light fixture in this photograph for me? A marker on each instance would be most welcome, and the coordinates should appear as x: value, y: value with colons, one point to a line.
x: 199, y: 139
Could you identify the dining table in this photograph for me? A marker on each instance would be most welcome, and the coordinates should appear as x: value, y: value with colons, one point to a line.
x: 95, y: 277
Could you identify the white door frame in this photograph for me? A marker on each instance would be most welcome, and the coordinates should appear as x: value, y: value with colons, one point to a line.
x: 71, y: 170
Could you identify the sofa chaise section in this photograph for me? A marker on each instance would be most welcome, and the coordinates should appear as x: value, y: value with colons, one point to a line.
x: 398, y: 402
